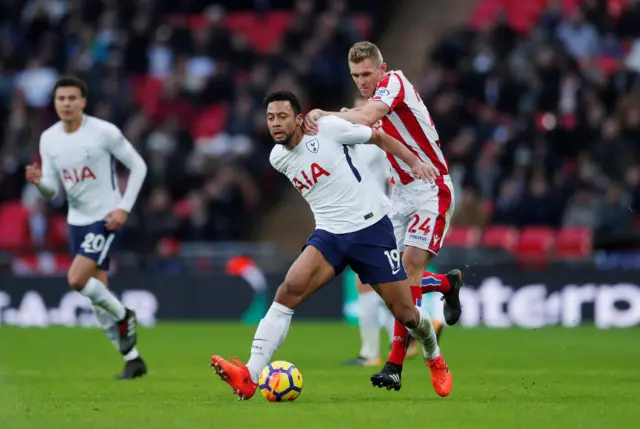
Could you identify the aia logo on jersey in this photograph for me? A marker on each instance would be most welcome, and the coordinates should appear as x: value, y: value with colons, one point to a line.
x: 305, y: 181
x: 78, y: 175
x: 377, y: 125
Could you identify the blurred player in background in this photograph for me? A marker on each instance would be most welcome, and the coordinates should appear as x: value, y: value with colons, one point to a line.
x: 422, y: 211
x: 372, y: 313
x: 352, y: 229
x: 79, y: 151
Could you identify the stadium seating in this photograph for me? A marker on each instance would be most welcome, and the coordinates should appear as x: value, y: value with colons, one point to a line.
x: 522, y: 15
x: 466, y: 236
x: 211, y: 121
x: 500, y: 237
x: 14, y: 226
x: 58, y: 233
x: 573, y: 243
x: 535, y: 246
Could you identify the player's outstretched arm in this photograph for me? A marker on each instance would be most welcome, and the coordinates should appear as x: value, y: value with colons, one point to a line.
x: 390, y: 145
x: 127, y: 155
x: 367, y: 115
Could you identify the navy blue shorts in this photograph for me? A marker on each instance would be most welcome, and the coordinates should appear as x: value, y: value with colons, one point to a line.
x: 94, y: 242
x: 372, y: 253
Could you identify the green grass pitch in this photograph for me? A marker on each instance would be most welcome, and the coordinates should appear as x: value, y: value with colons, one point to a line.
x: 61, y: 378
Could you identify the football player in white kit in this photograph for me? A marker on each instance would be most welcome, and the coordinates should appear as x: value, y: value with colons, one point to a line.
x: 79, y: 151
x: 372, y: 314
x: 421, y: 211
x: 352, y: 229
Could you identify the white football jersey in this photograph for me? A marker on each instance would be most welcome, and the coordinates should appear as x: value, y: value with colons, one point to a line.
x: 376, y: 161
x: 344, y: 197
x: 85, y: 163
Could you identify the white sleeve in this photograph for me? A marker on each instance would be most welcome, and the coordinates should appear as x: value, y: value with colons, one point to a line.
x: 120, y: 147
x: 274, y: 159
x: 390, y: 91
x: 49, y: 183
x: 344, y: 132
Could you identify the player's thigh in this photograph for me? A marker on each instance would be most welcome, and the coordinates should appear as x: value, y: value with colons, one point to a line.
x: 308, y: 273
x: 415, y: 261
x: 362, y: 287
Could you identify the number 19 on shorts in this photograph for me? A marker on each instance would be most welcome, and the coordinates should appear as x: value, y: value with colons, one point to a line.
x: 393, y: 256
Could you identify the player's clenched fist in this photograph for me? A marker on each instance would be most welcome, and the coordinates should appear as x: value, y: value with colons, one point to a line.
x: 33, y: 174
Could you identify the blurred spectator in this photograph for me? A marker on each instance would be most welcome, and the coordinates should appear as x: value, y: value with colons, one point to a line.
x: 159, y: 219
x: 579, y: 36
x: 615, y: 216
x: 185, y: 84
x: 471, y: 211
x: 539, y: 124
x: 542, y: 120
x: 582, y: 210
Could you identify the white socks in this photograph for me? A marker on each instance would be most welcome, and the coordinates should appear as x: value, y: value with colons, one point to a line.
x: 108, y: 323
x: 269, y: 336
x: 369, y: 323
x: 388, y: 321
x: 426, y: 336
x: 435, y: 306
x: 100, y: 296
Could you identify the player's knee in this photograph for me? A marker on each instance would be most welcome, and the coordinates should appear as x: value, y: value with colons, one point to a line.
x: 290, y: 293
x: 405, y: 313
x: 76, y: 280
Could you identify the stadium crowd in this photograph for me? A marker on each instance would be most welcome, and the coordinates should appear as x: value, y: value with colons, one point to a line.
x: 186, y: 91
x: 541, y: 123
x: 539, y: 127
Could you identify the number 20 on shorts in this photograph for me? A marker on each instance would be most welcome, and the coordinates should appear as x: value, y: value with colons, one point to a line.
x: 424, y: 226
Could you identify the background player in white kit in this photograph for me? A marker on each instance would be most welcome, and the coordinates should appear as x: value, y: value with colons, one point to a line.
x: 78, y: 151
x: 352, y: 229
x: 372, y: 314
x: 422, y: 212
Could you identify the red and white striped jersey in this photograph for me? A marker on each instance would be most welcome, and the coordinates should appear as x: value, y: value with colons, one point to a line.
x: 408, y: 121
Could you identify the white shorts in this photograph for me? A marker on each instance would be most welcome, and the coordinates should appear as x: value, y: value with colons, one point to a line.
x: 422, y: 213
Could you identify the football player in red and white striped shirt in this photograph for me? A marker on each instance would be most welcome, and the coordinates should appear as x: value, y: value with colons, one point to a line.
x: 422, y: 211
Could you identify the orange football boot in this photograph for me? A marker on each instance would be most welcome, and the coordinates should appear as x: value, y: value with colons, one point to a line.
x: 236, y: 375
x: 441, y: 377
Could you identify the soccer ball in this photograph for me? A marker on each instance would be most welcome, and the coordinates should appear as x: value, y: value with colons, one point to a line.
x: 280, y: 381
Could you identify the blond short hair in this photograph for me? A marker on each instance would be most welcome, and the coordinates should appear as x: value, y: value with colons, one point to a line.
x: 363, y: 50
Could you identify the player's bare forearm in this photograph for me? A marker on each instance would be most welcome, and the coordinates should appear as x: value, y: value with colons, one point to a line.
x: 394, y: 147
x: 367, y: 115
